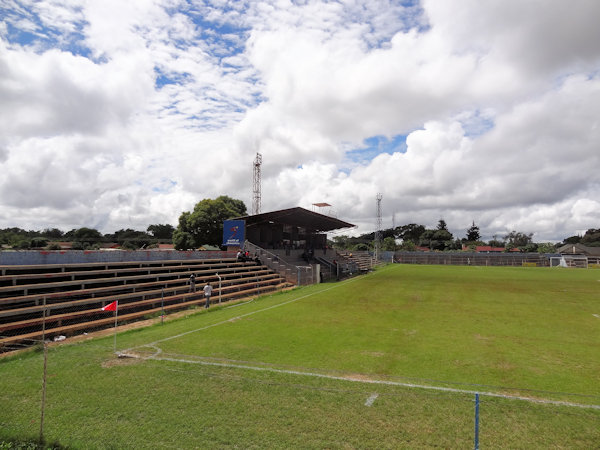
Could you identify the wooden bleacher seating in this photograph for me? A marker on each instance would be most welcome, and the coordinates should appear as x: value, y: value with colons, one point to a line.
x: 71, y: 296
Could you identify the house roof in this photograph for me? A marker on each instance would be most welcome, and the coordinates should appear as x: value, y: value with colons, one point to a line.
x: 579, y: 249
x: 297, y: 217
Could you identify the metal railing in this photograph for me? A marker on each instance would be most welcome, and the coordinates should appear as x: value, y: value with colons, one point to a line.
x: 298, y: 275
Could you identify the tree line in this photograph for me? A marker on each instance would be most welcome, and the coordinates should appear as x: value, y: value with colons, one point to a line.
x: 201, y: 226
x: 204, y: 226
x: 414, y: 236
x: 86, y: 238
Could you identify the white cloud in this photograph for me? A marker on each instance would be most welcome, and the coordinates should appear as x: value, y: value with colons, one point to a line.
x: 122, y: 114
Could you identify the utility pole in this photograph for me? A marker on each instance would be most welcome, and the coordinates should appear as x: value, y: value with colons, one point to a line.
x: 378, y: 231
x: 256, y: 185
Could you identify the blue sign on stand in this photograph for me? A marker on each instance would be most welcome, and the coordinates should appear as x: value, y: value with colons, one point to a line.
x: 234, y: 232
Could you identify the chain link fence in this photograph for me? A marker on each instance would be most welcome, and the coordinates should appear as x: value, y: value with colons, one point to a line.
x: 83, y: 396
x: 474, y: 259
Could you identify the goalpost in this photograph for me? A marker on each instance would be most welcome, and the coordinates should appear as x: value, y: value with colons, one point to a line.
x: 578, y: 261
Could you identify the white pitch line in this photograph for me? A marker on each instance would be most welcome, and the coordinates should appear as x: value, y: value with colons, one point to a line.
x: 153, y: 344
x: 371, y: 400
x: 378, y: 382
x: 596, y: 315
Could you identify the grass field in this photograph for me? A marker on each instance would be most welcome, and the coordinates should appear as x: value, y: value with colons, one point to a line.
x: 387, y: 360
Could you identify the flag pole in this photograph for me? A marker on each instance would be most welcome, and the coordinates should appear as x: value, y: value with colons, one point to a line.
x: 116, y: 314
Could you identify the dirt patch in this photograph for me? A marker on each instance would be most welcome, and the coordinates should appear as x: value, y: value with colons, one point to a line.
x: 416, y: 298
x: 377, y: 354
x: 358, y: 377
x: 479, y: 337
x: 505, y: 365
x: 120, y: 361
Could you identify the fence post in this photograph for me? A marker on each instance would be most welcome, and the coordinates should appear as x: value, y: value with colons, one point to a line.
x: 219, y: 287
x: 162, y: 305
x: 43, y: 406
x: 476, y: 421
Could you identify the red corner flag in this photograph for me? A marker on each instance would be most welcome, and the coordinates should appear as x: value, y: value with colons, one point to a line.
x: 111, y: 306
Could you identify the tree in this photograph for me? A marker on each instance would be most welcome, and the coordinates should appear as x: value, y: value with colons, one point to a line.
x: 442, y: 225
x: 516, y: 239
x: 160, y: 231
x: 52, y: 233
x: 426, y: 238
x: 388, y: 244
x: 84, y: 235
x: 205, y: 223
x: 182, y: 240
x: 473, y: 233
x: 496, y: 243
x: 22, y: 244
x: 591, y: 237
x: 411, y: 232
x: 546, y: 247
x: 134, y: 239
x: 572, y: 240
x: 128, y: 245
x: 79, y: 246
x: 339, y: 242
x: 442, y: 240
x: 38, y: 242
x: 407, y: 246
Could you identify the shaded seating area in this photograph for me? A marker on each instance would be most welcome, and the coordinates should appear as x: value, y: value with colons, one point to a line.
x: 63, y: 300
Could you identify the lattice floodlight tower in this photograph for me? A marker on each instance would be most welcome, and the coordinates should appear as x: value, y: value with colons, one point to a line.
x: 378, y: 231
x: 256, y: 185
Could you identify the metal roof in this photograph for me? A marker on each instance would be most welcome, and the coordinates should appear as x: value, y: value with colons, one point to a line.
x: 299, y: 217
x: 579, y: 249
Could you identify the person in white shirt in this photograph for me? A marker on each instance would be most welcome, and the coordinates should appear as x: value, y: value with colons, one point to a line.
x: 207, y: 294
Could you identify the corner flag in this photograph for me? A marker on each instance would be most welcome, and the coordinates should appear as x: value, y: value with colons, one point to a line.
x: 111, y: 306
x: 114, y: 306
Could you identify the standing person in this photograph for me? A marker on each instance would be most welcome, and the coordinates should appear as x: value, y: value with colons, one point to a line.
x: 193, y: 282
x: 207, y: 294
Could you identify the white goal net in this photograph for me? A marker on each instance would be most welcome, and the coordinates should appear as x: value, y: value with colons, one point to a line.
x: 578, y: 261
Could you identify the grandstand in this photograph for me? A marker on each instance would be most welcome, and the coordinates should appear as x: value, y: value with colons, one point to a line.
x: 40, y: 301
x: 52, y: 300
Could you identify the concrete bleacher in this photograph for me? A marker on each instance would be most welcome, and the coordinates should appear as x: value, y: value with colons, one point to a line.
x: 53, y: 299
x: 362, y: 260
x: 333, y: 264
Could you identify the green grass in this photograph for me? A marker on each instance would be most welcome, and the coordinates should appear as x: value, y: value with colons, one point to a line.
x: 521, y: 331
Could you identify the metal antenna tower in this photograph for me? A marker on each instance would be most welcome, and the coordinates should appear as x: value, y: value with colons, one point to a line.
x: 378, y: 231
x: 256, y: 185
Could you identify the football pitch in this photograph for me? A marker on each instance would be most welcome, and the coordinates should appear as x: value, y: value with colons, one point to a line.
x: 392, y: 359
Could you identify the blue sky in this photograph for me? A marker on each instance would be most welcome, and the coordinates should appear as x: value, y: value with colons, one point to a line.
x: 128, y: 113
x: 376, y: 145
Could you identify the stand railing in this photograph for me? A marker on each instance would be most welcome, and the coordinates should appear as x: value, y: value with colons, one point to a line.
x: 298, y: 275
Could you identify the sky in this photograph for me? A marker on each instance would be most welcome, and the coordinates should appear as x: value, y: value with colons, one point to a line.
x: 121, y: 114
